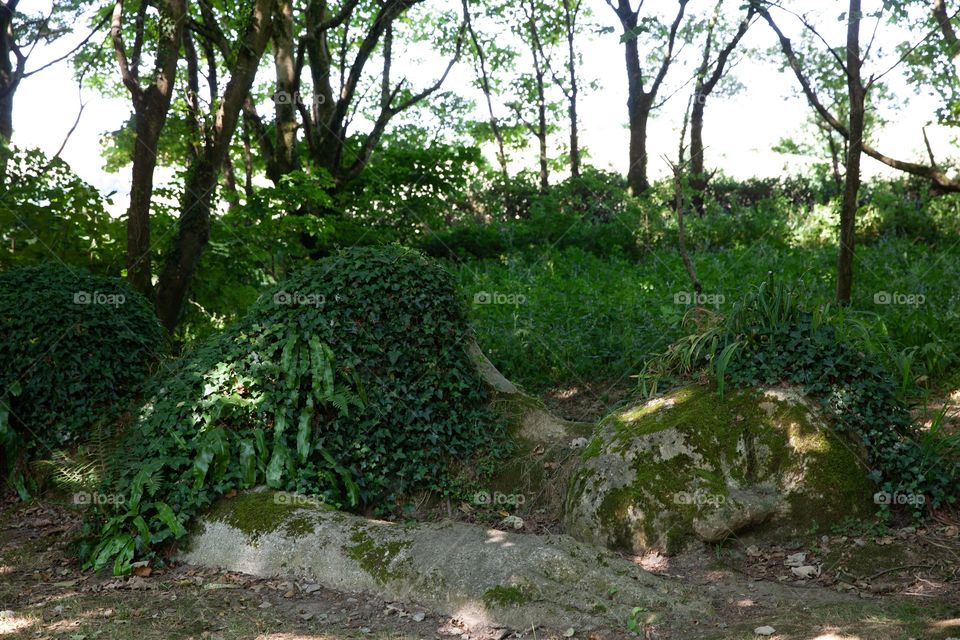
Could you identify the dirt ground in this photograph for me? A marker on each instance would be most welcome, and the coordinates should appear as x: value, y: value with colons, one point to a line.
x: 869, y: 585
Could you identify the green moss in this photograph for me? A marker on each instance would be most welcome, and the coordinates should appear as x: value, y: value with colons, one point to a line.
x: 746, y: 439
x: 593, y: 449
x: 377, y: 559
x: 298, y: 527
x: 500, y: 596
x: 255, y: 514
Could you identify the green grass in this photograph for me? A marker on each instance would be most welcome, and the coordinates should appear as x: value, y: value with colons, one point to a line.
x: 575, y: 317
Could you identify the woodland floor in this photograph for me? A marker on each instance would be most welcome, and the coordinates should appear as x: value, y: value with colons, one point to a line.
x: 886, y: 585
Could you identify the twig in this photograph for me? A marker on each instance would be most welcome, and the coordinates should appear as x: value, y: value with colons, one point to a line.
x: 893, y: 569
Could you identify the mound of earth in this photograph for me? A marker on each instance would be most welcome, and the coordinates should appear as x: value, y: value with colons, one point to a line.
x: 691, y: 465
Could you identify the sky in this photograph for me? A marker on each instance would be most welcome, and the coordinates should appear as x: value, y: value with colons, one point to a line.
x: 739, y: 132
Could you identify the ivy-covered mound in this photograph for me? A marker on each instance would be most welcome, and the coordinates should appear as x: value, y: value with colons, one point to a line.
x: 767, y: 339
x: 349, y: 381
x: 74, y: 347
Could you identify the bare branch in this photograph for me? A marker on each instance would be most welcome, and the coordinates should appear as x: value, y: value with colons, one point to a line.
x: 116, y: 33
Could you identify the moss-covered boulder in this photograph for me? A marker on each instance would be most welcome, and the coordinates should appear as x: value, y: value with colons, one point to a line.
x: 483, y: 577
x: 691, y: 465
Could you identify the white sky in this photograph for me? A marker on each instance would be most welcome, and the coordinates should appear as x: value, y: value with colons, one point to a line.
x: 739, y: 129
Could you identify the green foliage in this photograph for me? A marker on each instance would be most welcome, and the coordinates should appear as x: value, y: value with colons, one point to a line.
x: 411, y: 185
x: 75, y: 347
x: 767, y: 338
x: 349, y: 381
x: 46, y: 212
x: 592, y: 212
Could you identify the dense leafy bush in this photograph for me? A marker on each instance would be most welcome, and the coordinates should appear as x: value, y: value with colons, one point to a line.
x: 413, y: 183
x: 47, y: 211
x: 767, y: 338
x: 74, y: 347
x: 350, y: 380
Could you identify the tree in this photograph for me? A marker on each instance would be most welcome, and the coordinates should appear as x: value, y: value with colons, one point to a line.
x: 641, y: 98
x: 485, y: 81
x: 852, y: 133
x: 571, y: 11
x: 851, y: 186
x: 151, y: 103
x: 533, y: 86
x: 19, y: 35
x: 558, y: 26
x: 326, y: 119
x: 708, y: 75
x: 949, y: 34
x: 940, y: 182
x: 217, y: 128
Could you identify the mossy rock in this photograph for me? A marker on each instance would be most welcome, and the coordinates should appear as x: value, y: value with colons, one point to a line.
x: 690, y: 465
x: 479, y: 575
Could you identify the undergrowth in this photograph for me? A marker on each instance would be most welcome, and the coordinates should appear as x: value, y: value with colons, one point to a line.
x: 767, y: 338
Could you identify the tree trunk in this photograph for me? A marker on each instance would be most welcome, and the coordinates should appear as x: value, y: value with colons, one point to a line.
x: 6, y: 116
x: 570, y: 14
x: 487, y: 91
x: 9, y: 75
x: 698, y: 177
x: 203, y: 173
x: 851, y: 188
x: 639, y: 104
x: 639, y: 117
x: 192, y: 236
x: 149, y: 125
x: 287, y: 87
x: 151, y: 104
x: 542, y: 135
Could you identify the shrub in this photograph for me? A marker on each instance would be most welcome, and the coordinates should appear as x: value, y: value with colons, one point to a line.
x: 75, y: 346
x: 46, y: 209
x: 350, y: 381
x: 767, y: 338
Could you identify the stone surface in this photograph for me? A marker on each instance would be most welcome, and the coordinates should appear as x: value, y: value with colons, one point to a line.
x: 689, y: 465
x: 484, y: 577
